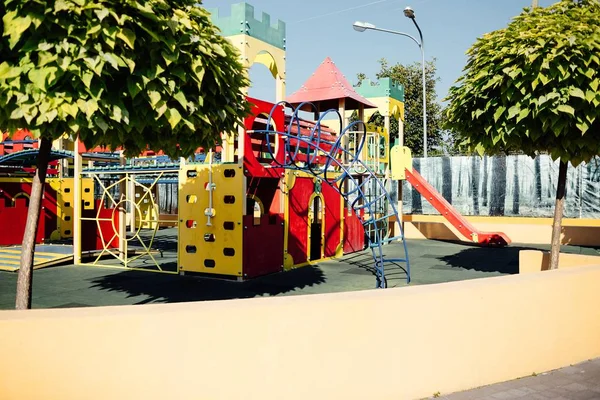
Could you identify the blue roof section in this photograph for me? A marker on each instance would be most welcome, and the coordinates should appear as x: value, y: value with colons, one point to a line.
x: 27, y: 158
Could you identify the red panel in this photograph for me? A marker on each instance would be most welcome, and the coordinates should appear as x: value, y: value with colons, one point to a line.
x: 332, y: 219
x: 252, y: 167
x: 354, y: 233
x: 90, y: 238
x: 16, y: 217
x: 263, y: 245
x: 12, y: 223
x: 298, y: 219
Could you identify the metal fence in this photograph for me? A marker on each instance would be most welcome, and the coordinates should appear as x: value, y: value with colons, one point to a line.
x: 513, y: 185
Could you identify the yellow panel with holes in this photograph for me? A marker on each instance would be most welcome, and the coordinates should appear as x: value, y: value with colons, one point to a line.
x: 401, y: 160
x: 210, y: 238
x: 64, y: 207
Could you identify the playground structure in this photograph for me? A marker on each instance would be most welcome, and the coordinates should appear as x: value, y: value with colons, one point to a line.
x: 283, y: 193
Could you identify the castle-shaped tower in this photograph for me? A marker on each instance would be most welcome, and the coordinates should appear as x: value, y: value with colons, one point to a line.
x: 257, y: 40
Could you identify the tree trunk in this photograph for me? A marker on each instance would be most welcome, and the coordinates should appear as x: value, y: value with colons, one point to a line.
x: 25, y: 279
x: 484, y: 188
x: 498, y: 195
x: 447, y: 179
x: 475, y: 183
x: 558, y: 214
x: 516, y: 188
x: 550, y: 168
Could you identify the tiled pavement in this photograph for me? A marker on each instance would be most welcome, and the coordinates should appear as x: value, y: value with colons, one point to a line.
x: 577, y: 382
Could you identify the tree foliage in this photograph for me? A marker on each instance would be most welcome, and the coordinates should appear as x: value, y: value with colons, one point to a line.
x: 131, y: 73
x: 410, y: 76
x: 534, y: 86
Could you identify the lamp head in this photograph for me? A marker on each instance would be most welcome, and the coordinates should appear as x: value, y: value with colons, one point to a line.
x: 360, y: 26
x: 409, y: 13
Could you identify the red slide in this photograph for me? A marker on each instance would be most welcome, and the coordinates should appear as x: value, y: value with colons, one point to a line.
x: 454, y: 217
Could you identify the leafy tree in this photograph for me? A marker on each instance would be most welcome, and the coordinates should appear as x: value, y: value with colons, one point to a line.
x: 129, y: 73
x: 533, y: 87
x: 410, y: 76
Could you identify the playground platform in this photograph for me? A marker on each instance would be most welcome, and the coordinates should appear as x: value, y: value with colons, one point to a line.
x: 45, y: 256
x: 431, y: 262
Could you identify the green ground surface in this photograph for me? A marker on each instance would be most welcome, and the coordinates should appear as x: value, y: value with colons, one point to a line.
x: 431, y: 262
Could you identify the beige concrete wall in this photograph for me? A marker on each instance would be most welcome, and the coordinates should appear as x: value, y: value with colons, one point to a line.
x: 536, y: 261
x: 579, y: 232
x: 402, y: 343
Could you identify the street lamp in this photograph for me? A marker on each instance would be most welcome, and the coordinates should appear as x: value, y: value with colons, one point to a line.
x: 409, y: 13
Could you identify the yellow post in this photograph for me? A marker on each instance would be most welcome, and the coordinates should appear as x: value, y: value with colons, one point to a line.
x: 131, y: 189
x: 280, y: 88
x: 400, y: 183
x: 77, y: 203
x: 123, y: 213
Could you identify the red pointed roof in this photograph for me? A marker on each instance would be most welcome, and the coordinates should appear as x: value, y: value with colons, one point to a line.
x: 325, y: 87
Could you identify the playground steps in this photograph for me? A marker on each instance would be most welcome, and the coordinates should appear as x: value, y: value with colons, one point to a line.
x: 45, y: 256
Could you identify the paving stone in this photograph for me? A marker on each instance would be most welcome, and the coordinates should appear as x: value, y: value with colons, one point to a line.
x: 578, y: 382
x: 575, y: 387
x: 503, y: 395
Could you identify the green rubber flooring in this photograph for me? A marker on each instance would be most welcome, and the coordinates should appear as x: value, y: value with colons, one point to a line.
x: 431, y: 262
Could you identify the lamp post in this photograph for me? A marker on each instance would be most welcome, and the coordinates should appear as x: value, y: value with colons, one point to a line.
x: 409, y: 13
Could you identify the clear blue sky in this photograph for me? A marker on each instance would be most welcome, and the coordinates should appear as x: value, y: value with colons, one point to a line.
x: 317, y: 29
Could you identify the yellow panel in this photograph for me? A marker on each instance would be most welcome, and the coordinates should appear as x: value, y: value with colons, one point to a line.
x: 195, y: 253
x: 64, y: 198
x: 401, y: 159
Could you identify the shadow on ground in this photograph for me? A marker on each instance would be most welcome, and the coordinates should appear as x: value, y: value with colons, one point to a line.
x: 173, y: 288
x: 504, y: 260
x: 362, y: 264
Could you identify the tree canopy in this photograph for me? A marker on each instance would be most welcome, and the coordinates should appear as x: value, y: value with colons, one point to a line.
x: 130, y: 73
x: 533, y: 86
x: 410, y: 76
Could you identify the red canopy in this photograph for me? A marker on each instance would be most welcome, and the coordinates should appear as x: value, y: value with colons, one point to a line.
x: 325, y: 87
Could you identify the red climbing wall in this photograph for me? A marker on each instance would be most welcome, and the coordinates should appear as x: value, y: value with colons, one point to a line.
x: 298, y: 219
x: 333, y: 233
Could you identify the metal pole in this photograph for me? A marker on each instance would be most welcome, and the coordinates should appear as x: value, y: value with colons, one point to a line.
x: 422, y: 45
x: 424, y: 104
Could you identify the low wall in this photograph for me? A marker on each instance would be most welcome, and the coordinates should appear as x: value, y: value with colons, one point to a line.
x: 536, y: 261
x: 402, y: 343
x: 577, y: 232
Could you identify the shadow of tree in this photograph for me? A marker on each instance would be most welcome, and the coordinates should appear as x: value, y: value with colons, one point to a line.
x: 173, y: 288
x: 504, y: 260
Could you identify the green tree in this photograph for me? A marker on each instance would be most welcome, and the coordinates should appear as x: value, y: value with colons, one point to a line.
x: 130, y: 73
x: 533, y: 87
x: 410, y: 76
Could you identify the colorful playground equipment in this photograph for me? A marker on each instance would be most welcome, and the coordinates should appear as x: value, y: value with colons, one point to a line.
x: 285, y: 192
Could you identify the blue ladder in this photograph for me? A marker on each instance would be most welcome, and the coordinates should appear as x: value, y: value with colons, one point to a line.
x: 356, y: 189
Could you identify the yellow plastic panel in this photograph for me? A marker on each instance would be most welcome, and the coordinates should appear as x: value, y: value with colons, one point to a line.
x: 214, y: 248
x: 401, y: 159
x: 64, y: 210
